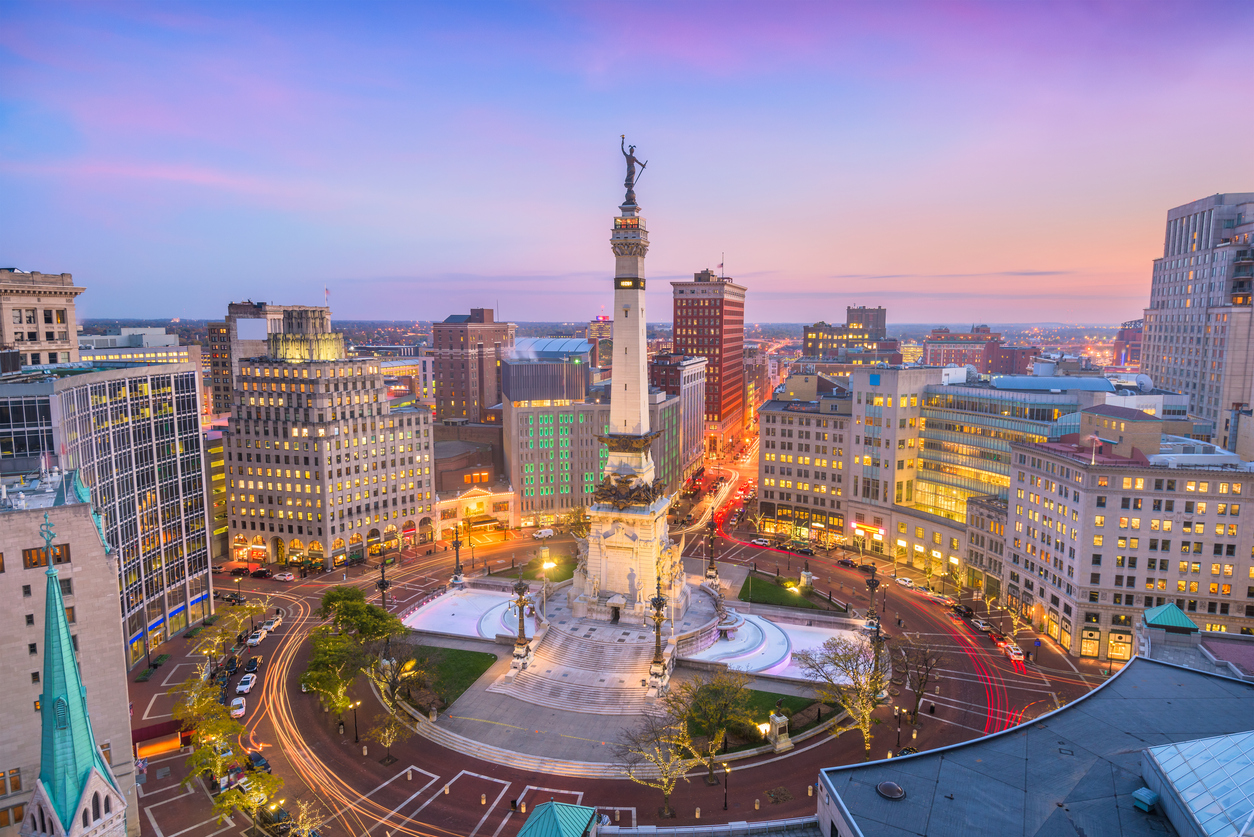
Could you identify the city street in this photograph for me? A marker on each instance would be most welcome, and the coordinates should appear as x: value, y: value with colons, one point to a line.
x: 432, y: 790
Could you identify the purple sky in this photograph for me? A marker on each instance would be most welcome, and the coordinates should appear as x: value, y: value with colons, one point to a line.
x: 1004, y: 162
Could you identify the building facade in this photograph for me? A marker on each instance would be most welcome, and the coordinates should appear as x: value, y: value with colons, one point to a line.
x: 88, y: 612
x: 319, y: 467
x: 709, y: 320
x: 1126, y: 350
x: 684, y: 376
x: 1119, y: 518
x: 133, y: 434
x: 1198, y: 330
x: 468, y: 350
x: 944, y: 347
x: 37, y: 316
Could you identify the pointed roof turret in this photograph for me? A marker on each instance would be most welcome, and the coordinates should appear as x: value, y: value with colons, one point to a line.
x: 69, y: 750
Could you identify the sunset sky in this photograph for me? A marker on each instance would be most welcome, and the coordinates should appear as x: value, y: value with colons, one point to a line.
x: 1001, y: 162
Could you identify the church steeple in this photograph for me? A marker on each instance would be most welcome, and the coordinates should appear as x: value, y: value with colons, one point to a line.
x: 73, y: 774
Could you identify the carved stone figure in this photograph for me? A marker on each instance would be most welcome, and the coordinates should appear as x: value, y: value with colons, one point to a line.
x: 621, y: 491
x: 581, y: 555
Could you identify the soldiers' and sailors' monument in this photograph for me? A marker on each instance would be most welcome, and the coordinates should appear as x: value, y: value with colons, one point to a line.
x: 629, y: 558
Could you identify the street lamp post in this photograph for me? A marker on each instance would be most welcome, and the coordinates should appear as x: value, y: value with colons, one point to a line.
x: 726, y: 782
x: 897, y: 715
x: 356, y: 738
x: 544, y: 588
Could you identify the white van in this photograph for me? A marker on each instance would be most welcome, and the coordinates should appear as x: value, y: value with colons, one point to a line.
x: 541, y: 534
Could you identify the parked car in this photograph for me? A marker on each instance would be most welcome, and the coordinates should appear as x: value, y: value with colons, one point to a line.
x: 802, y: 550
x: 238, y: 707
x: 262, y: 572
x: 232, y: 776
x: 998, y: 638
x: 219, y: 568
x: 257, y: 762
x: 542, y: 534
x: 274, y: 819
x: 284, y: 576
x: 239, y: 572
x: 963, y: 610
x: 245, y: 684
x: 277, y: 619
x: 866, y: 568
x: 760, y: 542
x: 981, y: 625
x: 251, y: 666
x: 1013, y: 651
x: 232, y: 663
x: 256, y: 639
x: 269, y: 626
x: 904, y: 582
x: 845, y: 562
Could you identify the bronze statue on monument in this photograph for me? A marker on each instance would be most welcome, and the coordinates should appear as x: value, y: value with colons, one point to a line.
x: 629, y: 151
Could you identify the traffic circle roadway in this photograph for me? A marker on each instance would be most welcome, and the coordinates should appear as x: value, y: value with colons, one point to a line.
x: 434, y: 790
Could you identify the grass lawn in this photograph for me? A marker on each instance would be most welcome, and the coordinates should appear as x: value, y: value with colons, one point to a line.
x: 762, y: 591
x: 458, y: 669
x: 761, y: 704
x: 564, y: 570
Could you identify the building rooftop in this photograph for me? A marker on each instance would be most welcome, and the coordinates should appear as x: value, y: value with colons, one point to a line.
x: 1066, y: 773
x: 1124, y: 413
x: 40, y: 491
x: 447, y: 450
x: 549, y: 348
x: 1170, y: 617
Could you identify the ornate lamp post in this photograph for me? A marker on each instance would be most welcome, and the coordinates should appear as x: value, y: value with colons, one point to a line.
x: 711, y: 572
x: 356, y: 737
x: 383, y: 584
x: 521, y: 590
x: 457, y: 558
x: 658, y: 602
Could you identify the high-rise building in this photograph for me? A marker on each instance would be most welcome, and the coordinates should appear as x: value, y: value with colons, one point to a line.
x: 243, y: 334
x: 944, y: 347
x: 1126, y: 350
x: 553, y: 418
x: 709, y: 320
x: 133, y: 433
x: 684, y: 376
x: 37, y: 316
x: 60, y: 656
x: 319, y: 467
x: 1198, y: 330
x: 468, y: 352
x: 864, y: 328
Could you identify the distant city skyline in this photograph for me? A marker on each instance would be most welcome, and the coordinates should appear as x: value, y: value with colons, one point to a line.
x: 982, y: 162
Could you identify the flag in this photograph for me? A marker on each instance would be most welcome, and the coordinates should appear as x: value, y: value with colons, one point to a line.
x: 720, y: 265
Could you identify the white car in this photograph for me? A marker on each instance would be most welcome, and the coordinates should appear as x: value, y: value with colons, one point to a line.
x: 905, y: 582
x: 238, y: 707
x: 1014, y: 652
x: 284, y: 576
x: 541, y: 534
x: 981, y: 625
x: 245, y: 684
x: 277, y: 619
x: 760, y: 542
x: 255, y: 639
x: 269, y: 626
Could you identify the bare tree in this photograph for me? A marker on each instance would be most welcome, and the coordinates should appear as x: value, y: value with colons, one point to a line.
x: 307, y: 815
x: 710, y: 703
x: 654, y: 754
x: 848, y: 671
x: 387, y: 732
x: 922, y: 665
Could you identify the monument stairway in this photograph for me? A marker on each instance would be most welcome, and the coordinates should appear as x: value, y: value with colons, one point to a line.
x: 575, y: 671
